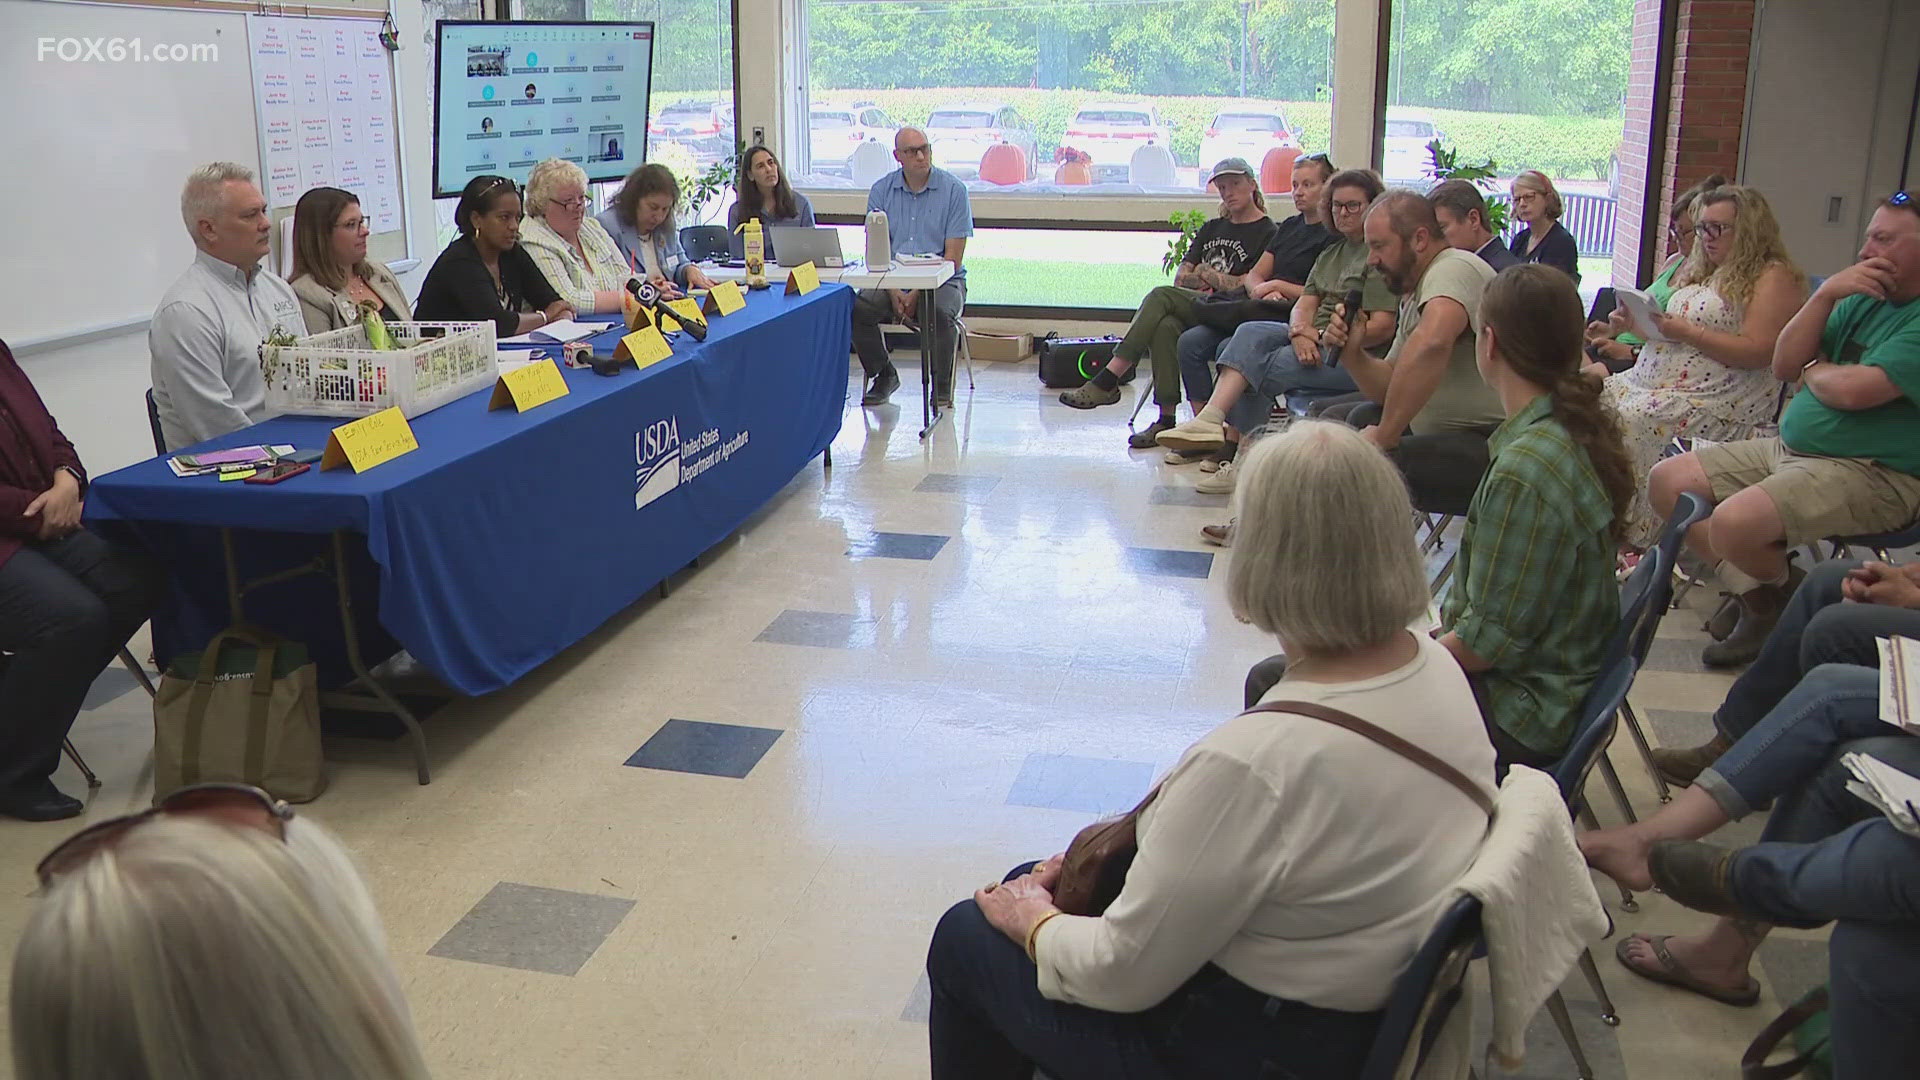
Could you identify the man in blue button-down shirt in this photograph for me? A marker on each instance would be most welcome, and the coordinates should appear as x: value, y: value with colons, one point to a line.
x: 927, y: 211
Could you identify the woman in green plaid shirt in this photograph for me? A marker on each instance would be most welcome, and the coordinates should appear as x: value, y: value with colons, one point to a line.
x: 1536, y: 600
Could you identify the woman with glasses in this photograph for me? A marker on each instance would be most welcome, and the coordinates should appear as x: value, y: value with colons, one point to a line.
x: 1537, y: 205
x: 1708, y: 373
x: 1614, y: 347
x: 485, y: 275
x: 332, y: 275
x: 581, y: 262
x: 641, y: 223
x: 215, y: 937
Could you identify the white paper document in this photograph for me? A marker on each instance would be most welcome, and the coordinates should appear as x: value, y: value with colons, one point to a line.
x: 555, y: 332
x: 1886, y: 789
x: 1640, y: 308
x: 1899, y: 674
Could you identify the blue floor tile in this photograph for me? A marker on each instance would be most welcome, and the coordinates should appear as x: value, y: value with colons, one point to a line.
x: 891, y: 545
x: 694, y: 746
x: 819, y: 629
x: 533, y: 929
x: 1066, y: 782
x: 1161, y: 562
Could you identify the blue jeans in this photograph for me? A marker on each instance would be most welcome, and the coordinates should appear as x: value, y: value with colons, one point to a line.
x: 1857, y: 870
x: 1197, y: 349
x: 989, y: 1022
x: 1834, y: 704
x: 1263, y: 352
x: 1816, y: 628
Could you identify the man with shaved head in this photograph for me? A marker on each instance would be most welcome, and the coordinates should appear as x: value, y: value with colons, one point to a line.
x: 1435, y: 412
x: 927, y: 212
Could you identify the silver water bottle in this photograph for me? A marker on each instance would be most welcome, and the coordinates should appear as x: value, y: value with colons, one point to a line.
x: 879, y: 241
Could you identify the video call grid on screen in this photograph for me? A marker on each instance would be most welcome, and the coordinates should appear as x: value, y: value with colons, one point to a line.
x: 508, y: 95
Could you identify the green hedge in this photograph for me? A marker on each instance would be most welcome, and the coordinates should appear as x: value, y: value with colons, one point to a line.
x: 1562, y: 146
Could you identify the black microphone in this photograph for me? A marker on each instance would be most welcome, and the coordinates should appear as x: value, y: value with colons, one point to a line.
x: 649, y: 298
x: 1349, y: 311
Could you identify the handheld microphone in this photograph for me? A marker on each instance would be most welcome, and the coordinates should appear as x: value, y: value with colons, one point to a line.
x: 649, y: 297
x: 1349, y: 311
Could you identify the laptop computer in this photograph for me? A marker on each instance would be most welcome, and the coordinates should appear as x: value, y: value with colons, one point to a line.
x: 796, y: 244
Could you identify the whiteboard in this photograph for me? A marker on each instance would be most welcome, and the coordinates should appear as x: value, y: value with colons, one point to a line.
x: 91, y: 200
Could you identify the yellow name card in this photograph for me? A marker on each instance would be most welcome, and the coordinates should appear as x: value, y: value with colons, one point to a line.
x: 687, y: 308
x: 803, y: 279
x: 724, y: 299
x: 645, y: 347
x: 369, y: 441
x: 528, y: 386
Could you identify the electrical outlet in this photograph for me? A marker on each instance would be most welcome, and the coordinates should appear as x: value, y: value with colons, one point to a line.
x: 759, y: 136
x: 1835, y: 203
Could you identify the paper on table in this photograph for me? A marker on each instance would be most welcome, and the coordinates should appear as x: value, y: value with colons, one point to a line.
x: 508, y: 359
x: 1640, y: 309
x: 564, y: 330
x: 1899, y: 675
x: 281, y: 450
x: 1888, y: 790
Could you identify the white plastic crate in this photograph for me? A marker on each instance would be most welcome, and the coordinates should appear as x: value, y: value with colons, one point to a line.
x: 340, y: 373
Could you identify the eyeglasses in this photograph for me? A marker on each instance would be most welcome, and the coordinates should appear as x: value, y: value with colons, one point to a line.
x: 1343, y: 207
x: 1712, y: 230
x: 1525, y: 196
x: 916, y: 150
x: 235, y: 802
x: 352, y: 224
x: 1321, y: 158
x: 578, y: 202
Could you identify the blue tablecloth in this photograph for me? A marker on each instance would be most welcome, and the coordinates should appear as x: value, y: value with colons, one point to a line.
x: 506, y: 537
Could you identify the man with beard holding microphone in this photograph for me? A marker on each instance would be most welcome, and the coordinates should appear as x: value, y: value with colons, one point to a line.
x: 1433, y: 412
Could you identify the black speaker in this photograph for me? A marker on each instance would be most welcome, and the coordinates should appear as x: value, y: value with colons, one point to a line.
x: 1069, y: 362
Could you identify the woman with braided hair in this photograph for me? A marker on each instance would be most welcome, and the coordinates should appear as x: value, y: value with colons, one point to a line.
x: 1535, y: 602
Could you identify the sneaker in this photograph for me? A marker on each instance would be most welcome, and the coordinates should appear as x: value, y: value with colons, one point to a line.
x: 1089, y: 396
x: 881, y: 392
x: 1194, y: 434
x: 1218, y: 535
x: 1144, y: 438
x: 1220, y: 482
x: 1176, y: 457
x: 1219, y: 457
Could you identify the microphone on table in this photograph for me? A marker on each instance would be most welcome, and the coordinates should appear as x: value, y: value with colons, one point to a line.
x: 649, y: 297
x: 1349, y: 311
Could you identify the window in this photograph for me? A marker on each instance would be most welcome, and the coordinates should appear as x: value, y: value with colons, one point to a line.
x: 1525, y: 84
x: 1109, y: 97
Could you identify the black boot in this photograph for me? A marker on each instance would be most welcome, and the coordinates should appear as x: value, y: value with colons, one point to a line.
x: 1724, y: 618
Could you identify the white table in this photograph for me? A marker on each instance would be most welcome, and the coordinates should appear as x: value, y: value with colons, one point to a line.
x: 921, y: 279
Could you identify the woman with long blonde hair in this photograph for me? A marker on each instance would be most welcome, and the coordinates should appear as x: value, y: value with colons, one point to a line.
x: 1710, y: 377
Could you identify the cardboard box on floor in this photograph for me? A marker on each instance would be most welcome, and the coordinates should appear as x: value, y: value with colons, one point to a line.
x: 1005, y: 348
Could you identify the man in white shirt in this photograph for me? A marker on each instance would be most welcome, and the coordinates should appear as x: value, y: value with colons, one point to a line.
x: 205, y: 337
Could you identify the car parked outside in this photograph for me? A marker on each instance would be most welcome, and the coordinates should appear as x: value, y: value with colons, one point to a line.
x: 1109, y: 132
x: 1246, y: 133
x: 961, y: 134
x: 837, y: 128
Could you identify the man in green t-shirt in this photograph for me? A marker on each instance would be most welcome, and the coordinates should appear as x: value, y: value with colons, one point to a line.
x: 1847, y: 459
x: 1435, y: 411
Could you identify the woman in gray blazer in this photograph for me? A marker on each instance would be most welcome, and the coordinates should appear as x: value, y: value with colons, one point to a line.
x: 331, y: 272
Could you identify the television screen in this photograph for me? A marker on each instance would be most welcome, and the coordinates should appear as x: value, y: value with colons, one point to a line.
x: 508, y: 95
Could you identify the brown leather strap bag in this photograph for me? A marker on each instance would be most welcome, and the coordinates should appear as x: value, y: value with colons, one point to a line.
x: 1096, y: 863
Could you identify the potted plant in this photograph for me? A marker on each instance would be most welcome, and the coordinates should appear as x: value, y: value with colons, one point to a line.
x: 1188, y: 222
x: 1448, y: 166
x: 1075, y: 166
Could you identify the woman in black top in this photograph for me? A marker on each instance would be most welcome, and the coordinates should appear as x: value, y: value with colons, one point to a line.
x: 1537, y: 205
x: 485, y: 275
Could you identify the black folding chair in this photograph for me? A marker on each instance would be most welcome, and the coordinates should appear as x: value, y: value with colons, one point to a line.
x: 1425, y: 994
x: 704, y: 242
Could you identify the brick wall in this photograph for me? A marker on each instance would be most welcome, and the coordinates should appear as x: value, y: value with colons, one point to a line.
x: 1706, y: 107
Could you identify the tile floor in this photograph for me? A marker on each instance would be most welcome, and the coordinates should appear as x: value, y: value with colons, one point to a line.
x: 710, y: 840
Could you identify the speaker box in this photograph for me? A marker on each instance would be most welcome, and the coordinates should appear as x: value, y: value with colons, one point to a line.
x: 1069, y: 362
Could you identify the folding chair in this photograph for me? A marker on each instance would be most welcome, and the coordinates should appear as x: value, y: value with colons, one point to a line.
x: 1880, y: 544
x: 1644, y: 600
x: 1425, y: 994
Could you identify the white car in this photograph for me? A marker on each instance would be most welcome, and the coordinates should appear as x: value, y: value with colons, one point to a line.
x: 1405, y: 154
x: 1110, y: 131
x: 962, y: 133
x: 837, y: 129
x: 1246, y: 133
